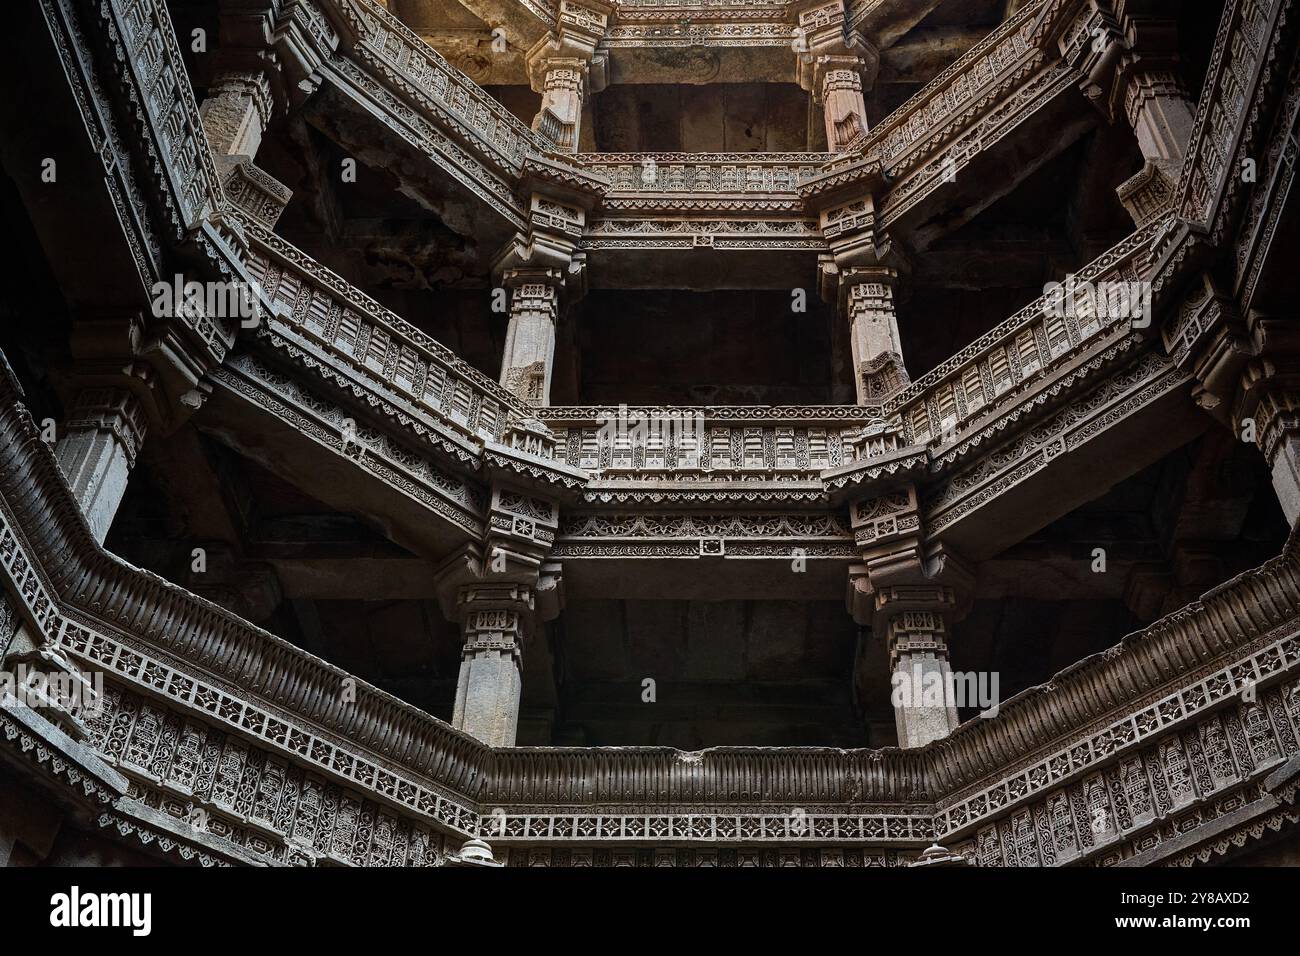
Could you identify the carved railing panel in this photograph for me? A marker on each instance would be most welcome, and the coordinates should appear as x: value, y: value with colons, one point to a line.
x: 994, y: 373
x: 1245, y: 59
x: 376, y: 350
x: 713, y: 443
x: 733, y: 182
x: 654, y: 535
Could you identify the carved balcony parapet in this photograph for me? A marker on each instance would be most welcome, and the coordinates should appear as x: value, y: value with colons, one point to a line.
x: 1043, y: 340
x: 917, y: 130
x: 1245, y: 71
x: 737, y: 232
x: 378, y: 350
x: 1256, y: 243
x: 432, y: 105
x: 154, y: 79
x: 414, y: 69
x: 677, y: 446
x: 704, y: 182
x: 140, y: 90
x: 703, y: 26
x: 633, y: 536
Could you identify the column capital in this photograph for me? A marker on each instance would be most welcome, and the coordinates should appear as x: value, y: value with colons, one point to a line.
x: 824, y: 39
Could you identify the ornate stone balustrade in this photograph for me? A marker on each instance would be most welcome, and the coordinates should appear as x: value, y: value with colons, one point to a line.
x: 376, y: 350
x: 419, y: 72
x: 1245, y: 57
x: 652, y: 231
x: 149, y: 84
x: 980, y: 383
x: 1231, y: 120
x: 713, y: 444
x: 967, y: 87
x: 757, y: 182
x: 156, y: 79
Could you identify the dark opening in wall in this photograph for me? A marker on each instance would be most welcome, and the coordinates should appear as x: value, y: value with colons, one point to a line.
x: 699, y: 348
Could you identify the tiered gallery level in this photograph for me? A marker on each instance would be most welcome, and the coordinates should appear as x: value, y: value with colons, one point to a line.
x: 559, y: 432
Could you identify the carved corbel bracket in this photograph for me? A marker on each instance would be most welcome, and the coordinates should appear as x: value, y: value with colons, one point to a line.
x: 154, y: 358
x: 822, y: 35
x: 1206, y: 336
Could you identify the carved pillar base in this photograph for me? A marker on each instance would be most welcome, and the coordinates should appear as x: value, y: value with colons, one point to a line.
x: 1149, y: 193
x: 97, y: 451
x: 493, y: 621
x: 930, y: 713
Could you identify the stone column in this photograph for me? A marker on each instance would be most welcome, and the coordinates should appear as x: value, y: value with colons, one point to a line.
x: 560, y: 117
x: 235, y: 116
x: 1151, y: 95
x: 494, y: 619
x: 236, y: 113
x: 910, y: 593
x: 1161, y: 113
x: 836, y: 63
x: 98, y: 447
x: 564, y: 67
x: 1162, y: 116
x: 876, y: 348
x: 916, y: 630
x: 843, y: 108
x: 1275, y: 424
x: 527, y: 362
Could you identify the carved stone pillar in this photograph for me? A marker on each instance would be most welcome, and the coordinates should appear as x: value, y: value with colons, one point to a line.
x: 914, y: 620
x: 1275, y: 424
x: 836, y: 64
x: 1150, y: 93
x: 843, y: 108
x: 1162, y: 115
x: 97, y: 450
x: 501, y: 590
x: 236, y: 113
x: 1161, y: 112
x: 494, y: 619
x: 526, y: 364
x: 910, y: 593
x: 564, y: 67
x: 544, y: 271
x: 877, y: 350
x: 560, y: 118
x: 235, y: 116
